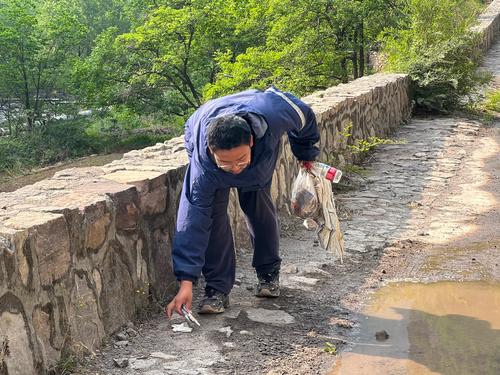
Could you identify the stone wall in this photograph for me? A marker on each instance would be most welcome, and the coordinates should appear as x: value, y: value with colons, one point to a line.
x: 489, y: 25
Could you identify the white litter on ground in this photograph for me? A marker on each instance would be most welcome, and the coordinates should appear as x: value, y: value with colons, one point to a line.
x: 183, y: 327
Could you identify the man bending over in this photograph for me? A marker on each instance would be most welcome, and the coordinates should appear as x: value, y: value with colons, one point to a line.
x: 234, y: 141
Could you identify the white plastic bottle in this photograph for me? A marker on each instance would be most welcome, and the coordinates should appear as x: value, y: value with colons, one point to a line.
x: 326, y: 171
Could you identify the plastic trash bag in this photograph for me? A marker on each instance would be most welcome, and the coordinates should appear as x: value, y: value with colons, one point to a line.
x: 312, y: 200
x: 305, y: 201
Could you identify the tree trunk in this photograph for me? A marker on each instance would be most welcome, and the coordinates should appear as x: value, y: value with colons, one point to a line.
x: 343, y: 68
x: 361, y: 50
x: 355, y: 64
x: 27, y: 104
x: 9, y: 117
x: 355, y: 55
x: 37, y: 104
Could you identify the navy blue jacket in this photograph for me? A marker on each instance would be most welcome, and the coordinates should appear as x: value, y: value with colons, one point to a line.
x: 270, y: 114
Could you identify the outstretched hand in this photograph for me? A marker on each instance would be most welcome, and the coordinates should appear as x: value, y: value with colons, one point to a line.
x: 184, y: 297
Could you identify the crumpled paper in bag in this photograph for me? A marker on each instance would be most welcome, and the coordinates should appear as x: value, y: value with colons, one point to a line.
x: 330, y: 236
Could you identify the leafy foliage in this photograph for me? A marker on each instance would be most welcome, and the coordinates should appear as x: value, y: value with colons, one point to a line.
x: 75, y: 138
x: 365, y: 145
x: 308, y: 45
x: 36, y: 42
x: 445, y: 74
x: 330, y: 348
x: 163, y: 64
x: 140, y: 67
x: 435, y: 46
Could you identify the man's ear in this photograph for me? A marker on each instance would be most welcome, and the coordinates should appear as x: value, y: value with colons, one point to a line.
x: 251, y: 140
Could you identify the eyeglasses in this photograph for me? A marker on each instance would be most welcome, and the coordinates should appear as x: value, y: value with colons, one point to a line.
x: 228, y: 167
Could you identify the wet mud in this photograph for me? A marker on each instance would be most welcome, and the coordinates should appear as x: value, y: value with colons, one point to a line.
x: 448, y: 328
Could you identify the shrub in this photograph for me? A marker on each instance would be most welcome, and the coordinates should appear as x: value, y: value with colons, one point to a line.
x: 59, y: 141
x: 444, y: 74
x: 435, y: 46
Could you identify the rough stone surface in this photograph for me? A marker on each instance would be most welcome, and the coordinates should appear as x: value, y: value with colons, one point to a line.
x: 161, y: 355
x: 142, y: 364
x: 20, y: 360
x: 270, y: 316
x: 121, y: 362
x: 489, y: 25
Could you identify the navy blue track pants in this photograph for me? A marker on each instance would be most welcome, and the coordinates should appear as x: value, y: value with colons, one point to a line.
x: 262, y: 221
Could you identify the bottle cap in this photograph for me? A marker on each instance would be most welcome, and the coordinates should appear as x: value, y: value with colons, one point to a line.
x: 337, y: 177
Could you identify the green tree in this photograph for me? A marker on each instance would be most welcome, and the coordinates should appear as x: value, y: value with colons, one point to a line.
x: 308, y: 45
x: 37, y: 40
x: 428, y: 24
x: 436, y: 46
x: 164, y: 63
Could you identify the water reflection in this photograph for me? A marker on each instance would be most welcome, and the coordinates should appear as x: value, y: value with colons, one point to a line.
x: 447, y: 328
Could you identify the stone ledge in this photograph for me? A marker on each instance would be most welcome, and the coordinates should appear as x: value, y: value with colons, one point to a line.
x: 489, y: 25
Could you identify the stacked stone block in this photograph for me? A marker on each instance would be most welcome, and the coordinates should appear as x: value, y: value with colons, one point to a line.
x: 489, y: 25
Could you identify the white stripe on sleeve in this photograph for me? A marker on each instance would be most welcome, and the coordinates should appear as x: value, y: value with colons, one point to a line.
x: 292, y: 104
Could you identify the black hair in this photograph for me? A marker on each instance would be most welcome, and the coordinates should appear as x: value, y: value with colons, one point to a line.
x: 227, y: 132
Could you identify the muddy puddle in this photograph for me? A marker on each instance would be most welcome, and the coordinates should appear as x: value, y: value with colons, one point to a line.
x: 448, y: 328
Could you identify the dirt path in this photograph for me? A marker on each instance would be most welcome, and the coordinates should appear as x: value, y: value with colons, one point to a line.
x: 427, y: 210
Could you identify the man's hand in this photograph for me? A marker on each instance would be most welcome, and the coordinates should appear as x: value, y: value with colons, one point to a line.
x: 307, y: 164
x: 184, y: 297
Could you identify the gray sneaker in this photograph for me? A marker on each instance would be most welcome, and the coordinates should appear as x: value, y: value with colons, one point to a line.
x: 214, y: 302
x: 268, y: 285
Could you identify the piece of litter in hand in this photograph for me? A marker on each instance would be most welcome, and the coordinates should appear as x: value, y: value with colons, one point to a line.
x: 183, y: 327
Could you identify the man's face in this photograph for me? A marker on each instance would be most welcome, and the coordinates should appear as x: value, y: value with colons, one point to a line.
x: 234, y: 160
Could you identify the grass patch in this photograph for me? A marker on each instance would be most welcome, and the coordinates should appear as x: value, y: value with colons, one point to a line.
x: 330, y: 348
x: 486, y: 110
x: 492, y: 101
x: 65, y: 366
x: 365, y: 145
